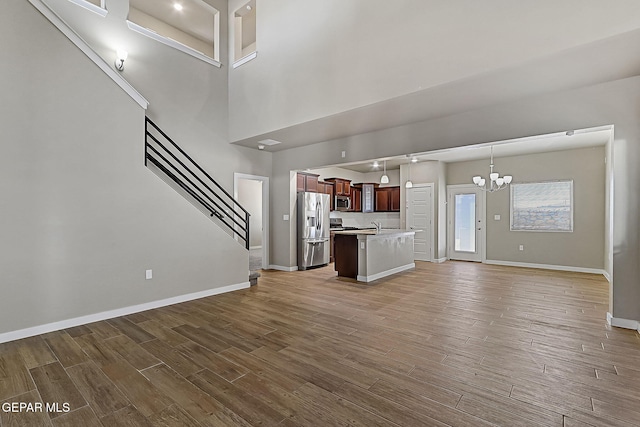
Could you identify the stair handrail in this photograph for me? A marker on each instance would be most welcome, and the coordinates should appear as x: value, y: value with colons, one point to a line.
x: 194, y: 190
x: 193, y: 162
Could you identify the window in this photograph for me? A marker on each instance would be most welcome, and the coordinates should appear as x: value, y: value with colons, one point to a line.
x: 244, y: 34
x: 96, y: 6
x: 542, y: 206
x: 465, y: 223
x: 191, y: 26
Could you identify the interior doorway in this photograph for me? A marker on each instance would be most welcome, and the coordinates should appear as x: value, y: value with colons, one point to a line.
x: 419, y: 217
x: 252, y: 192
x: 465, y: 220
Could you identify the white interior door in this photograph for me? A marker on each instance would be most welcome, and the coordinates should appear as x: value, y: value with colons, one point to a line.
x: 466, y: 222
x: 419, y: 217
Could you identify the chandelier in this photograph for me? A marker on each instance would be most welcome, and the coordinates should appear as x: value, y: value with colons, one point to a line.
x: 496, y: 182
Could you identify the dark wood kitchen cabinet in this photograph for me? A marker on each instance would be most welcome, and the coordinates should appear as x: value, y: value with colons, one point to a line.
x: 327, y: 188
x: 307, y: 182
x: 342, y: 187
x: 387, y: 199
x: 356, y: 198
x: 394, y: 199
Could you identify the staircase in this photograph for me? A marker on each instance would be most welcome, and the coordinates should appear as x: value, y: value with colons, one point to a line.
x: 163, y: 155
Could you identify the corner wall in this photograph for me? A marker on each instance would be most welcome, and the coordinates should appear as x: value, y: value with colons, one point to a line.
x: 82, y: 218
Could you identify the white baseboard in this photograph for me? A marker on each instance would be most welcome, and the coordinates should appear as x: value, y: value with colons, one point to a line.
x: 90, y: 318
x: 547, y: 266
x: 440, y: 260
x: 623, y: 323
x: 283, y: 268
x: 386, y: 273
x: 255, y: 247
x: 606, y: 275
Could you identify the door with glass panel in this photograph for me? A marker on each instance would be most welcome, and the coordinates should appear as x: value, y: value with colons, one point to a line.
x: 465, y: 211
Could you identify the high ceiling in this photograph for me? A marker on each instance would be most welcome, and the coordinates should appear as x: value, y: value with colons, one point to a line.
x: 598, y: 62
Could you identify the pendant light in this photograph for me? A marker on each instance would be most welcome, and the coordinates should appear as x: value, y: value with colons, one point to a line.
x: 384, y: 179
x: 409, y: 184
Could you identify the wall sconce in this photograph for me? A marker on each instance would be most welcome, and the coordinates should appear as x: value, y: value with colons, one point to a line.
x: 121, y: 56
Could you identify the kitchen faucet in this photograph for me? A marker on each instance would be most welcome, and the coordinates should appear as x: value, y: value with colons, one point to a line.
x: 377, y: 224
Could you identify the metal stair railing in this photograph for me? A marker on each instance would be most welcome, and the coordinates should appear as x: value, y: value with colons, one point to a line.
x: 177, y: 165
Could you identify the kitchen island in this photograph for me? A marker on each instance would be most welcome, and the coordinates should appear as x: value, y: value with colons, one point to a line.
x: 368, y: 255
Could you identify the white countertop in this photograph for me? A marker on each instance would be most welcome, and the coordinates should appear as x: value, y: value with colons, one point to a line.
x: 384, y: 231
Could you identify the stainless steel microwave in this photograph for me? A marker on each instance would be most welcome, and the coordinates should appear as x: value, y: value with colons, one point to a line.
x: 343, y: 203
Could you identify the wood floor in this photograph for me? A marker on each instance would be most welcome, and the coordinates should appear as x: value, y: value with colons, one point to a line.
x: 458, y: 344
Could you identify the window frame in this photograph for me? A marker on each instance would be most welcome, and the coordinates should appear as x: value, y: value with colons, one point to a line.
x: 243, y: 59
x: 100, y: 10
x: 512, y: 188
x: 181, y: 46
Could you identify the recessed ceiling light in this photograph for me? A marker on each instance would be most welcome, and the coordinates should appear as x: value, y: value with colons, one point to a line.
x: 249, y: 7
x: 376, y: 165
x: 177, y: 6
x: 414, y: 160
x: 260, y: 146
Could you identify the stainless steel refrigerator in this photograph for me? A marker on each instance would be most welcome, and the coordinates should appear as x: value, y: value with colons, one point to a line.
x: 313, y: 230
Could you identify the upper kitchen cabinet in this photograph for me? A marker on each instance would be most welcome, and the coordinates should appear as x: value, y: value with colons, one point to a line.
x: 387, y: 199
x: 356, y: 198
x: 394, y: 198
x: 328, y: 189
x: 342, y: 186
x: 307, y: 182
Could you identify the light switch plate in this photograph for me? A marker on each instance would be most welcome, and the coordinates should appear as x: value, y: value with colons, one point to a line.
x: 496, y: 217
x: 285, y: 217
x: 148, y: 274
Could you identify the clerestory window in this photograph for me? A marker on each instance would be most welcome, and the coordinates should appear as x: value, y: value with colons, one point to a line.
x: 244, y: 34
x: 192, y: 26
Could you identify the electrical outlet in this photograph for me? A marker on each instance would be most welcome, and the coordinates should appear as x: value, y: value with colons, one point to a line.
x: 361, y: 245
x: 344, y: 154
x: 285, y: 217
x: 521, y: 248
x: 496, y: 217
x: 149, y: 274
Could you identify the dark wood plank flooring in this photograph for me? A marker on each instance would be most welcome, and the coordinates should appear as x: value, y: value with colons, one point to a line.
x: 458, y: 344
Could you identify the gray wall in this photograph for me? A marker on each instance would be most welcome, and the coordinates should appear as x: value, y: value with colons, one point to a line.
x: 188, y: 98
x: 250, y: 197
x: 585, y: 246
x: 82, y: 218
x: 615, y: 102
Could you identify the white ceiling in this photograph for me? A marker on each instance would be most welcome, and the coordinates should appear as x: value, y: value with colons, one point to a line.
x: 521, y: 146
